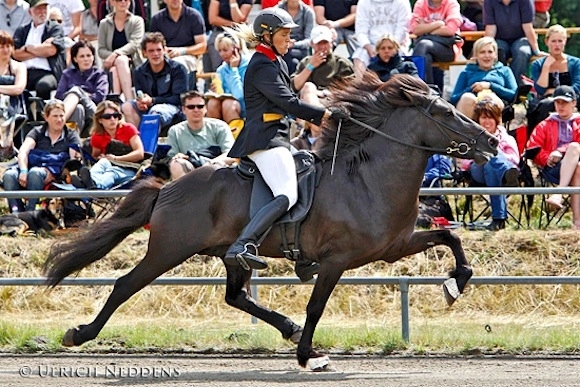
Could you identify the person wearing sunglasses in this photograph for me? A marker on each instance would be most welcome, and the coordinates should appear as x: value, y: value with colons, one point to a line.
x: 198, y: 140
x: 112, y: 141
x: 13, y: 14
x: 82, y: 86
x: 549, y: 72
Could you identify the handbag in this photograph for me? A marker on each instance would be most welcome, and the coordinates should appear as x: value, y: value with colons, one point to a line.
x: 448, y: 41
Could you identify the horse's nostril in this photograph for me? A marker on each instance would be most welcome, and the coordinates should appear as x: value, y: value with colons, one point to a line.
x: 493, y: 142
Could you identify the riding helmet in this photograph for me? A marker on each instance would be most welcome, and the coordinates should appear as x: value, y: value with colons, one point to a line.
x: 271, y: 20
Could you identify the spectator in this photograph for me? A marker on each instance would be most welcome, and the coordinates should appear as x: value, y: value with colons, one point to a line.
x: 501, y: 170
x: 436, y: 24
x: 159, y: 83
x: 112, y: 141
x: 472, y: 12
x: 231, y: 74
x: 90, y: 27
x: 82, y: 86
x: 389, y: 62
x: 41, y: 156
x: 557, y: 139
x: 482, y: 77
x: 223, y: 13
x: 374, y: 18
x: 13, y: 14
x: 71, y: 18
x: 120, y: 34
x: 316, y: 72
x: 303, y: 16
x: 13, y: 74
x: 339, y: 16
x: 272, y: 3
x: 308, y: 136
x: 40, y: 45
x: 184, y: 31
x: 438, y: 167
x: 510, y: 23
x: 198, y: 140
x: 542, y: 15
x: 556, y: 69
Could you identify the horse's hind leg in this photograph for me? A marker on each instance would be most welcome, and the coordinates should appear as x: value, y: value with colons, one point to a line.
x: 237, y: 297
x: 422, y: 240
x: 151, y: 267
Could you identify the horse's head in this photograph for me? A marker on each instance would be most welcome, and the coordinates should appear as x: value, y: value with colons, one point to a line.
x: 456, y: 134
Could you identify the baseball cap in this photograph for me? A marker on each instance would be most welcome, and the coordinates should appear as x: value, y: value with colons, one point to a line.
x: 36, y: 3
x: 565, y: 93
x: 320, y: 33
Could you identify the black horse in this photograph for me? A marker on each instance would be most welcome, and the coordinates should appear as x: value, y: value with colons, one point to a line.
x: 363, y: 212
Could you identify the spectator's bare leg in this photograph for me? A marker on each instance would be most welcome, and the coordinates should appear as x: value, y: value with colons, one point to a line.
x: 124, y: 73
x: 575, y: 200
x: 466, y: 104
x: 359, y: 67
x: 231, y: 110
x: 569, y: 165
x: 131, y: 115
x: 179, y: 167
x: 115, y: 79
x: 70, y: 103
x: 214, y: 108
x: 309, y: 93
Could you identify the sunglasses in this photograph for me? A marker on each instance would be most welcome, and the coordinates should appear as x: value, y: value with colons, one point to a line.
x: 191, y: 107
x: 8, y: 20
x: 59, y: 21
x: 108, y: 116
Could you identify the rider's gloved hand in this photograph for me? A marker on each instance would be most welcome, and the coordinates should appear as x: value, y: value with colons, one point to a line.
x: 337, y: 114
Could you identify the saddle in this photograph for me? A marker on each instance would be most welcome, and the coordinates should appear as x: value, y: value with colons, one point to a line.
x: 306, y: 171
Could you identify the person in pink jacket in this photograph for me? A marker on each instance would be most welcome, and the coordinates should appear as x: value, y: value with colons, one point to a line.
x: 435, y: 22
x: 557, y: 140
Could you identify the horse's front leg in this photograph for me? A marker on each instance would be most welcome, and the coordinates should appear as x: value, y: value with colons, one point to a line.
x: 328, y: 277
x: 422, y: 240
x: 238, y: 297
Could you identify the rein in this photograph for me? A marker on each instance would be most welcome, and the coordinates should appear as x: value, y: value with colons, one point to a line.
x: 461, y: 148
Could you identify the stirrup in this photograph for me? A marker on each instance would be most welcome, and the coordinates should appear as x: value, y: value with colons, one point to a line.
x: 246, y: 259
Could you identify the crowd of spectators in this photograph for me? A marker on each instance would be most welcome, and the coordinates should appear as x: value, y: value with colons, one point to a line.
x: 58, y: 49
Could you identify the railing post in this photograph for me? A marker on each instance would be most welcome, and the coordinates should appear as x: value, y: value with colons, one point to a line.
x: 404, y: 287
x: 254, y: 290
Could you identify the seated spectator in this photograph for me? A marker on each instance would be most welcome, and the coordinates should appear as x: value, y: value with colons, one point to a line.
x: 13, y: 14
x: 159, y: 83
x: 13, y: 74
x: 389, y: 62
x: 112, y: 141
x: 549, y: 72
x: 501, y: 170
x: 483, y: 77
x: 375, y: 19
x: 82, y: 86
x: 510, y: 23
x: 303, y: 16
x: 307, y: 137
x: 231, y: 75
x: 198, y: 140
x: 435, y: 23
x: 316, y: 72
x: 542, y: 15
x: 558, y: 140
x: 43, y: 54
x: 339, y: 16
x: 472, y: 12
x: 90, y: 27
x: 41, y: 156
x: 184, y: 30
x: 119, y: 39
x: 70, y: 14
x: 438, y: 167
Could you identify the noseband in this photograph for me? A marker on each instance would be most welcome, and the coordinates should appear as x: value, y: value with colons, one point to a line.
x: 461, y: 148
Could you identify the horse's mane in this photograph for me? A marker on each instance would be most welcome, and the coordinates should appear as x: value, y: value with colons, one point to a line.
x: 369, y: 100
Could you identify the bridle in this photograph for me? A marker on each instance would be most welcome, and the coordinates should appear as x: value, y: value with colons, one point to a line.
x: 462, y: 148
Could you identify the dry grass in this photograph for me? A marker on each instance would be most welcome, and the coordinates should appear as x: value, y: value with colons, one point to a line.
x: 491, y: 254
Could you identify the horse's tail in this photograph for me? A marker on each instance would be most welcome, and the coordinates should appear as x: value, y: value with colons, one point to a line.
x: 71, y: 255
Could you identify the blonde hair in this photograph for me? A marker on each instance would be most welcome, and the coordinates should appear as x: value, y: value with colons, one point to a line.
x: 97, y: 127
x: 482, y: 42
x: 556, y: 29
x: 229, y: 40
x: 389, y: 38
x: 243, y: 32
x: 52, y: 105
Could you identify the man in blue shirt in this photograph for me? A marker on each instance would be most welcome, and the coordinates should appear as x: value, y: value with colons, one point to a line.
x: 338, y: 15
x: 510, y: 23
x: 184, y: 31
x: 159, y: 82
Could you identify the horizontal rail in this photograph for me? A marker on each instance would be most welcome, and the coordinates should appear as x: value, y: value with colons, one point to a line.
x: 423, y: 192
x: 402, y: 281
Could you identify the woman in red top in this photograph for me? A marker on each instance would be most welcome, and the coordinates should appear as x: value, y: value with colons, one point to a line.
x: 112, y: 140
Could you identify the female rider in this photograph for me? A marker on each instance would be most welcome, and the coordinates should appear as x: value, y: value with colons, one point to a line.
x: 265, y: 140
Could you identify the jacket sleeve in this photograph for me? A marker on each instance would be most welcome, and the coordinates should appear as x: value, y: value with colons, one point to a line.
x: 135, y: 34
x: 460, y: 88
x: 538, y: 139
x: 63, y: 85
x: 507, y: 92
x: 101, y: 87
x: 232, y: 82
x: 178, y: 85
x: 574, y: 69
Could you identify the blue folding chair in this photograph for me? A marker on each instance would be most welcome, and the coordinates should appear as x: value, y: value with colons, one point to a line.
x: 419, y: 63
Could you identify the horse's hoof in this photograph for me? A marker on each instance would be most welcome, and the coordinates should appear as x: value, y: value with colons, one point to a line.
x: 318, y: 364
x: 296, y: 336
x: 451, y: 291
x: 68, y: 338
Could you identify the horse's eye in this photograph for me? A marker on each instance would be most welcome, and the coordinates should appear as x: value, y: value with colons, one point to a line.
x: 448, y: 113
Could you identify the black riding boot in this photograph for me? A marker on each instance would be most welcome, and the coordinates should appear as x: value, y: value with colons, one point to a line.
x: 306, y: 269
x: 245, y: 250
